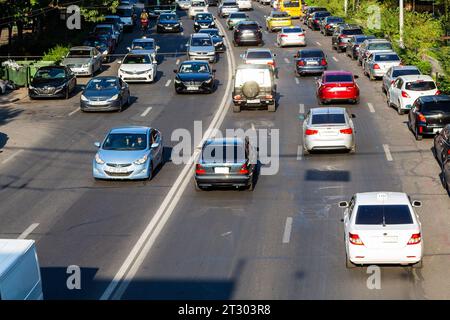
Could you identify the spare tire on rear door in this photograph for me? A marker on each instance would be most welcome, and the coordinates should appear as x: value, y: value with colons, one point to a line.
x: 250, y: 89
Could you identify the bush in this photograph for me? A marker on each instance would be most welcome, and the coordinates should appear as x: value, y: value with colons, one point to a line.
x: 56, y: 53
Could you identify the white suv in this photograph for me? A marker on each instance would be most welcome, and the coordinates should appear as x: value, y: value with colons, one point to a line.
x: 244, y: 4
x: 197, y: 6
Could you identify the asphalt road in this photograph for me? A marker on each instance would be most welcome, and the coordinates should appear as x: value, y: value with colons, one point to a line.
x: 284, y: 240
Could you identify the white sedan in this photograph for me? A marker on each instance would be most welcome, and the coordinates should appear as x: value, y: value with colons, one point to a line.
x: 382, y: 228
x: 137, y: 66
x: 291, y: 36
x: 406, y: 89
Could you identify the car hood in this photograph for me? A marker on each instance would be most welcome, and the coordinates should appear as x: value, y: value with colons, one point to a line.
x: 47, y: 82
x: 121, y: 157
x: 201, y: 48
x: 194, y: 76
x: 216, y: 39
x: 136, y: 67
x: 67, y: 61
x: 205, y: 21
x: 96, y: 94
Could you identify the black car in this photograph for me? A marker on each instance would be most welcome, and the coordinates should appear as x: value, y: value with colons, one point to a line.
x: 194, y: 76
x: 216, y: 37
x: 227, y: 162
x: 352, y: 47
x: 441, y: 147
x: 168, y: 22
x: 315, y: 19
x: 428, y: 115
x: 446, y: 175
x: 309, y: 61
x: 247, y: 32
x: 52, y: 82
x: 342, y: 34
x: 309, y: 11
x: 105, y: 94
x: 328, y: 24
x: 213, y: 3
x: 204, y: 20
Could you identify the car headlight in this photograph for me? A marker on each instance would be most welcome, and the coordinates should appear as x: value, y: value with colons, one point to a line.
x: 211, y: 53
x: 83, y: 98
x: 114, y: 97
x: 31, y: 87
x: 85, y: 65
x: 61, y: 87
x: 177, y: 80
x: 208, y: 81
x: 98, y: 159
x: 196, y: 23
x: 105, y: 52
x: 141, y: 160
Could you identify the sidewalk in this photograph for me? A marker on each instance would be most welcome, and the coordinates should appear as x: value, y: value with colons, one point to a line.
x: 13, y: 96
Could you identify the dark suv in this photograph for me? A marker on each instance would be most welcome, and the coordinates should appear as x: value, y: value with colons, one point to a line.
x: 247, y: 32
x: 341, y: 36
x: 310, y: 11
x: 316, y: 18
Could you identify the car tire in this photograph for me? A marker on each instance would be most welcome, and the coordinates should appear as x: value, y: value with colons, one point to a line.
x: 67, y: 93
x: 400, y: 111
x: 272, y: 107
x: 417, y: 135
x: 150, y: 173
x: 236, y: 108
x: 348, y: 263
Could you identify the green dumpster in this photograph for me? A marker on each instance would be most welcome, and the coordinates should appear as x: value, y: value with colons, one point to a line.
x: 18, y: 76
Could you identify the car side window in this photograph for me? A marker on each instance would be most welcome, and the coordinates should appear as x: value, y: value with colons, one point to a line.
x: 399, y: 83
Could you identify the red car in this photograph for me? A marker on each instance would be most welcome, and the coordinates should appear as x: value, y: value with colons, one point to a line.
x: 337, y: 86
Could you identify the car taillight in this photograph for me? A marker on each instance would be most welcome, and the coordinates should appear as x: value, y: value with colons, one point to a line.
x: 415, y: 239
x: 244, y: 169
x: 283, y: 36
x: 342, y: 36
x: 392, y: 82
x: 316, y: 21
x: 300, y: 63
x: 346, y: 131
x: 323, y: 62
x: 327, y: 26
x: 405, y: 94
x: 268, y: 96
x: 438, y: 92
x: 310, y: 132
x: 354, y: 239
x: 376, y: 66
x: 421, y: 117
x: 271, y: 63
x: 301, y: 34
x: 237, y: 97
x: 199, y: 169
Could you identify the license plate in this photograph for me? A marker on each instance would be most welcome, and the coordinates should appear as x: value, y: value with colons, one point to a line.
x: 225, y: 170
x: 338, y: 89
x: 312, y: 63
x: 192, y: 88
x: 169, y: 28
x: 390, y: 239
x: 117, y: 170
x: 254, y: 101
x: 97, y: 103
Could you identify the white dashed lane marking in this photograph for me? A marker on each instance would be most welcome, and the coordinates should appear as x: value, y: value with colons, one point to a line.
x: 287, y: 230
x: 146, y: 111
x: 371, y: 108
x: 168, y: 82
x: 387, y: 152
x: 28, y: 231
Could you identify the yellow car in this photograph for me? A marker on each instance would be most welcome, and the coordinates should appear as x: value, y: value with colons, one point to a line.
x: 278, y: 20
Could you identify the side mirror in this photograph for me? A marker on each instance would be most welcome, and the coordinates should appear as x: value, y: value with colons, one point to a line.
x: 353, y: 116
x: 343, y: 204
x: 155, y: 145
x: 175, y: 70
x: 128, y: 48
x: 356, y: 76
x: 417, y: 204
x: 119, y: 61
x: 97, y: 144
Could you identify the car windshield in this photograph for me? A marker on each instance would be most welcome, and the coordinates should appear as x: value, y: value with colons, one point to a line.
x: 387, y: 57
x: 338, y: 78
x: 136, y: 59
x: 203, y: 16
x: 125, y: 141
x: 230, y: 4
x: 280, y: 15
x: 95, y: 43
x: 405, y: 72
x: 194, y: 68
x: 170, y: 17
x: 102, y: 84
x: 379, y: 46
x: 53, y: 73
x: 124, y: 12
x: 349, y: 32
x: 436, y: 106
x: 259, y: 55
x: 383, y: 214
x: 328, y: 118
x: 223, y: 153
x: 291, y: 3
x: 321, y: 14
x: 143, y: 45
x: 420, y: 85
x: 238, y: 16
x: 252, y: 26
x: 79, y: 54
x: 201, y: 42
x: 293, y: 30
x: 311, y: 54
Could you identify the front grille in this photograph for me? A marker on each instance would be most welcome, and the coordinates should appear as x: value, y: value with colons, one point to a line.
x: 115, y: 174
x: 74, y: 65
x: 118, y: 165
x: 45, y: 90
x: 192, y: 83
x: 134, y: 72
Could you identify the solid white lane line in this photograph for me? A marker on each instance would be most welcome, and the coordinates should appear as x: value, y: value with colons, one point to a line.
x: 286, y: 60
x: 74, y: 111
x: 28, y: 231
x: 142, y: 247
x: 168, y: 82
x: 318, y: 43
x: 12, y: 156
x: 297, y: 81
x: 287, y: 230
x: 387, y: 152
x: 146, y: 111
x: 301, y: 108
x: 178, y: 62
x: 299, y: 152
x: 371, y: 108
x: 335, y: 59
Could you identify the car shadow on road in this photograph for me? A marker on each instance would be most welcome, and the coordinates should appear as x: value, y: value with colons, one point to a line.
x: 8, y: 113
x: 3, y: 140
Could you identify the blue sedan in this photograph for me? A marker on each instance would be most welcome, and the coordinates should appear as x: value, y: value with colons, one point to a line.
x: 128, y: 153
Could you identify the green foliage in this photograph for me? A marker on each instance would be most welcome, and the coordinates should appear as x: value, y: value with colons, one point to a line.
x: 56, y: 53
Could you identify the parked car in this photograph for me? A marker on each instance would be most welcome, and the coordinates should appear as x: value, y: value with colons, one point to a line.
x: 446, y: 175
x: 370, y: 46
x: 197, y: 6
x: 394, y: 72
x: 127, y: 17
x: 337, y: 86
x: 52, y: 82
x: 254, y: 87
x: 341, y: 35
x: 247, y: 33
x: 309, y: 61
x: 227, y: 162
x: 201, y: 47
x: 83, y: 61
x: 291, y: 36
x: 168, y: 22
x: 441, y: 146
x: 20, y: 275
x: 352, y: 46
x: 204, y: 21
x: 194, y: 76
x: 382, y: 228
x: 227, y: 7
x: 236, y: 17
x: 429, y: 115
x: 378, y: 63
x: 128, y: 153
x: 217, y: 38
x: 105, y: 94
x: 138, y: 66
x: 277, y: 20
x: 328, y: 24
x: 315, y: 19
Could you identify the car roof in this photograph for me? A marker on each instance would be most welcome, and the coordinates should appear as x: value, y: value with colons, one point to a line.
x: 414, y: 77
x: 328, y: 110
x: 382, y: 197
x: 10, y: 252
x: 377, y: 40
x: 130, y: 129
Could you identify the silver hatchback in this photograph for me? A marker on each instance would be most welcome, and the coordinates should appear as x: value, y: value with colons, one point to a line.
x: 201, y: 47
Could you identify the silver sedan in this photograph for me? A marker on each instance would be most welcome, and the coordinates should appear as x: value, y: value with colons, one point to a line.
x: 328, y: 129
x: 291, y: 36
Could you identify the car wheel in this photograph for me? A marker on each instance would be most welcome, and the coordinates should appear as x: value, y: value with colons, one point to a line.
x: 400, y: 110
x: 150, y: 173
x: 271, y: 107
x: 236, y: 108
x: 417, y: 135
x: 251, y: 186
x: 67, y: 94
x: 348, y: 263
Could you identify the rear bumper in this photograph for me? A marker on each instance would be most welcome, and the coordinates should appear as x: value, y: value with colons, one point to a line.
x: 336, y: 96
x: 377, y: 73
x: 430, y: 128
x: 363, y: 255
x: 338, y: 144
x: 223, y: 180
x: 248, y: 41
x: 311, y: 69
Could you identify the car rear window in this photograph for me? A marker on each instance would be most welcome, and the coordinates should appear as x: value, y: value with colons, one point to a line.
x: 246, y: 26
x: 238, y: 15
x: 333, y: 20
x: 383, y: 214
x: 379, y: 46
x: 339, y: 78
x: 405, y: 72
x: 292, y: 30
x: 436, y: 106
x: 259, y: 55
x: 311, y: 54
x: 420, y: 85
x: 349, y: 32
x: 223, y: 153
x: 322, y: 14
x: 387, y: 57
x: 328, y: 118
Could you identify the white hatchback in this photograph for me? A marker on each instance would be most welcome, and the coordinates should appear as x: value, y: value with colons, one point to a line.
x: 245, y: 4
x: 382, y: 228
x: 291, y: 36
x: 406, y: 89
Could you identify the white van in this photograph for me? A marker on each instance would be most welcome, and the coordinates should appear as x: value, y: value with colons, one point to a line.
x: 20, y: 277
